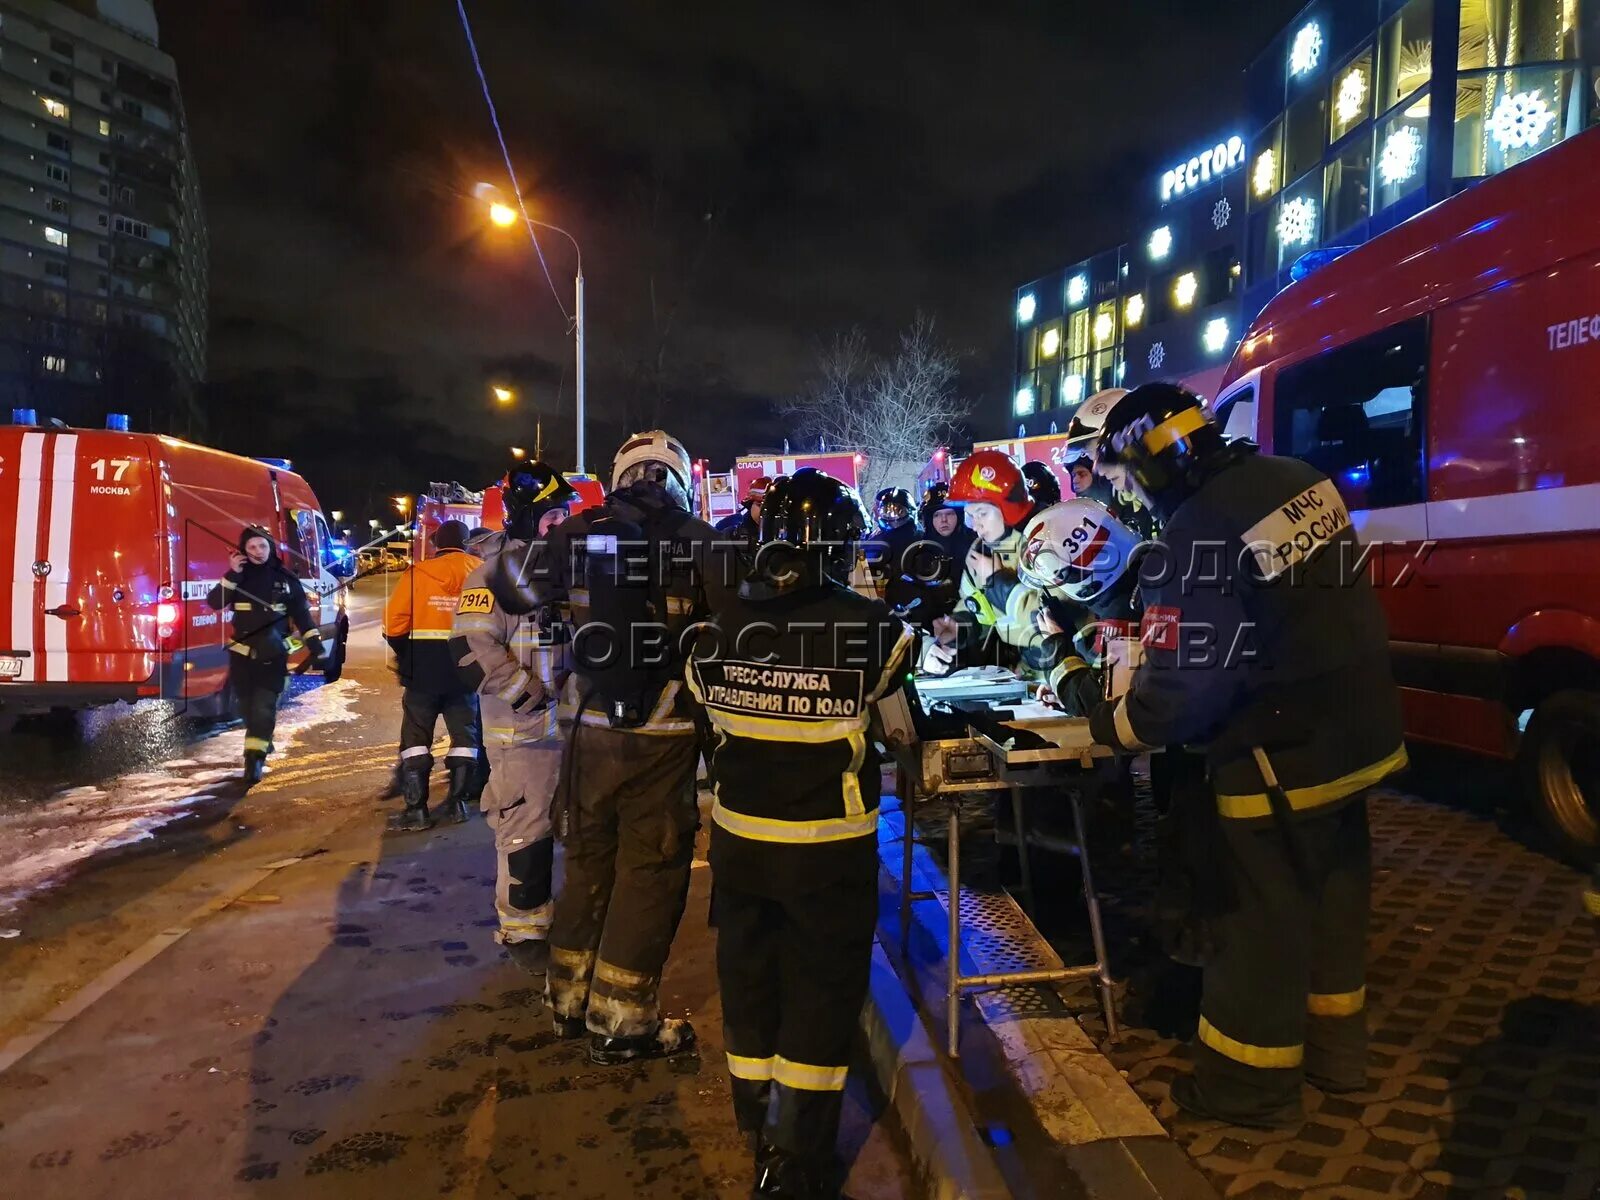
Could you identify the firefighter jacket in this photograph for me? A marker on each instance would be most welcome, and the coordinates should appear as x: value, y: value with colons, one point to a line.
x: 788, y: 686
x: 887, y: 551
x: 688, y: 563
x: 1262, y: 631
x: 516, y: 664
x: 417, y: 621
x: 265, y: 600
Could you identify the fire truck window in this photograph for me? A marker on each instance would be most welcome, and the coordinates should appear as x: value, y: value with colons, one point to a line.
x: 1237, y: 414
x: 1356, y: 413
x: 300, y: 549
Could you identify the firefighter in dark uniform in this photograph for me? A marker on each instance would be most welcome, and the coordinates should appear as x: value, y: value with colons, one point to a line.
x: 1265, y: 643
x: 887, y: 551
x: 788, y: 676
x: 265, y: 599
x: 637, y: 566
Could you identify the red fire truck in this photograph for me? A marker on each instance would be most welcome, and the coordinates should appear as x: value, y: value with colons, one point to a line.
x: 841, y: 464
x: 1445, y: 376
x: 118, y: 538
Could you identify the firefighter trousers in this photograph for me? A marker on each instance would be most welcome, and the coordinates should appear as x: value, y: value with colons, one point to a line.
x: 420, y: 712
x: 793, y: 972
x: 1284, y: 998
x: 518, y: 803
x: 629, y: 815
x: 257, y: 684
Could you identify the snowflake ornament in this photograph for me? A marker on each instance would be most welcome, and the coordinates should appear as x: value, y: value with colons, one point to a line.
x: 1352, y: 96
x: 1297, y: 224
x: 1221, y: 214
x: 1306, y: 52
x: 1520, y: 121
x: 1158, y: 356
x: 1402, y: 155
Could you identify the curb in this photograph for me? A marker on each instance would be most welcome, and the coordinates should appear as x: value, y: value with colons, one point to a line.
x: 950, y: 1159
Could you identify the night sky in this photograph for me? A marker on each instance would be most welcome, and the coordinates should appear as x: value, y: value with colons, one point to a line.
x: 744, y: 178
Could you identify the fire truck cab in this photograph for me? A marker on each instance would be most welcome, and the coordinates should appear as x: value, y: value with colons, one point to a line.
x: 1445, y: 376
x: 117, y: 540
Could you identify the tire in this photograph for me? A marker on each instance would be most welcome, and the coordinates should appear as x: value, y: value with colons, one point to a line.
x: 335, y: 668
x: 1560, y: 767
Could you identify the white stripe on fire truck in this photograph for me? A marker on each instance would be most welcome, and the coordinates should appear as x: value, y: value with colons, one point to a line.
x: 63, y: 490
x: 22, y: 605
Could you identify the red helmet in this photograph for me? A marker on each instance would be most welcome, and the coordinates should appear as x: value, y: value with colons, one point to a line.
x: 757, y: 489
x: 990, y: 477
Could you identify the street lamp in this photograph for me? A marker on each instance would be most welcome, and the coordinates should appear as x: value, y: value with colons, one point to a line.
x: 372, y: 523
x: 402, y: 504
x: 504, y: 395
x: 518, y: 453
x: 497, y: 208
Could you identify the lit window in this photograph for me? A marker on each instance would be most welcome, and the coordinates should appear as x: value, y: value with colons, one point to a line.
x: 1306, y: 52
x: 1104, y: 327
x: 1050, y: 342
x: 55, y: 204
x: 1350, y: 104
x: 1077, y: 290
x: 1072, y: 389
x: 1133, y: 310
x: 1520, y: 120
x: 1215, y: 337
x: 1023, y: 404
x: 56, y: 237
x: 1161, y: 243
x: 55, y: 108
x: 1264, y: 179
x: 1297, y: 223
x: 105, y: 127
x: 1027, y: 305
x: 1402, y: 155
x: 1186, y: 289
x: 55, y: 364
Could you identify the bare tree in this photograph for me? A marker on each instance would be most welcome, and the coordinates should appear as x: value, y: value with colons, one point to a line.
x: 892, y: 409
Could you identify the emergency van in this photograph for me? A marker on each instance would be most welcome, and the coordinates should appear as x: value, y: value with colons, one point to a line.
x: 118, y: 538
x: 1446, y: 376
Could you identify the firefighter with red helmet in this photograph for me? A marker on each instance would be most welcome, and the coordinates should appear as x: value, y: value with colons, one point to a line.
x: 746, y: 523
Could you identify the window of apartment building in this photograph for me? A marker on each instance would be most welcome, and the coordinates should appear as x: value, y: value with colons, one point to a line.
x: 105, y: 161
x: 105, y: 127
x: 60, y: 78
x: 107, y: 67
x: 125, y: 195
x: 104, y: 251
x: 104, y: 189
x: 55, y: 269
x: 55, y: 204
x: 54, y: 303
x: 54, y: 363
x: 56, y: 237
x: 105, y: 98
x: 98, y: 312
x: 101, y: 220
x: 133, y: 107
x: 61, y: 46
x: 103, y: 283
x: 138, y: 229
x: 56, y: 173
x: 58, y: 141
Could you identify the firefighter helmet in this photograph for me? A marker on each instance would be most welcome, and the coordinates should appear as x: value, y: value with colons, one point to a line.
x: 990, y: 477
x: 1163, y: 437
x: 1091, y: 417
x: 893, y: 508
x: 1043, y: 486
x: 657, y: 457
x: 813, y: 514
x: 1077, y: 549
x: 757, y: 490
x: 532, y: 489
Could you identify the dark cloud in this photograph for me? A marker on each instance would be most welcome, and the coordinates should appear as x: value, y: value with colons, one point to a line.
x: 744, y: 179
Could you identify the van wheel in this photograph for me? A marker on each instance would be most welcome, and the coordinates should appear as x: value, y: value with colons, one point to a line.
x: 335, y: 667
x: 1560, y: 764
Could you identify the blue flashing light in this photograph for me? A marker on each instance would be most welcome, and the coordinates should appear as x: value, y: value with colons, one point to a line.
x: 283, y: 464
x: 117, y: 422
x: 1315, y: 260
x: 1358, y: 476
x: 24, y: 416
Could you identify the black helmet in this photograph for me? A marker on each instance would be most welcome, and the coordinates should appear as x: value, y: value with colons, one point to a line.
x: 1043, y: 486
x: 810, y: 524
x: 893, y: 508
x: 936, y: 496
x: 531, y: 490
x: 1164, y: 437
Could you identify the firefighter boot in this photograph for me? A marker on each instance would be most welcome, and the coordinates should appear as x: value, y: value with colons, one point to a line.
x: 791, y: 1177
x: 255, y: 766
x: 533, y: 956
x: 672, y: 1037
x: 462, y: 776
x: 414, y: 787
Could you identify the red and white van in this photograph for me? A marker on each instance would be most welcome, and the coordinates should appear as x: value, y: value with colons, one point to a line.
x: 117, y: 539
x: 1446, y: 375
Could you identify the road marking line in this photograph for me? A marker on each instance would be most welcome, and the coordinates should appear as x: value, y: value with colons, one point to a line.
x: 47, y: 1026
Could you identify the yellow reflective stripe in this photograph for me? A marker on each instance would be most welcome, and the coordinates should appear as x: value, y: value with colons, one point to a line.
x: 242, y: 606
x: 1336, y: 1004
x: 239, y: 648
x: 518, y: 685
x: 765, y: 829
x: 678, y: 606
x: 1247, y: 807
x: 578, y: 596
x: 255, y: 743
x: 1250, y: 1056
x: 533, y: 923
x: 896, y: 664
x: 1067, y: 666
x: 1591, y: 902
x: 604, y: 972
x: 758, y: 1070
x: 807, y: 1078
x: 1124, y: 727
x: 430, y: 635
x: 577, y: 963
x: 854, y: 806
x: 774, y: 729
x: 1174, y: 429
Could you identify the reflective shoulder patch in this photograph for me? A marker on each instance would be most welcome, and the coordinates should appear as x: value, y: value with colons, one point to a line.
x: 476, y: 600
x: 1295, y: 530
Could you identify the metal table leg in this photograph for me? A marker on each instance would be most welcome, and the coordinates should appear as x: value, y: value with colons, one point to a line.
x: 1019, y: 825
x: 1096, y: 930
x: 952, y: 1009
x: 908, y: 846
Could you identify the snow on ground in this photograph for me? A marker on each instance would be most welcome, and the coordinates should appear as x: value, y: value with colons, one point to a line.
x: 42, y: 843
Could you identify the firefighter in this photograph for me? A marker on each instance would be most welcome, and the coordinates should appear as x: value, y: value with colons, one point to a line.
x: 886, y: 553
x: 1263, y: 642
x: 1044, y: 489
x: 516, y: 663
x: 793, y: 836
x: 636, y: 572
x: 416, y: 623
x: 265, y: 599
x: 746, y: 522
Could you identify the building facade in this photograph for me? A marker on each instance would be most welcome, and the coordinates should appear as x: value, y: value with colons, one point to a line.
x: 103, y: 247
x: 1347, y: 129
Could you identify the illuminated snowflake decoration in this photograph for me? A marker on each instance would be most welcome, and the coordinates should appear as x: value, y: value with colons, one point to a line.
x: 1306, y: 52
x: 1520, y: 121
x: 1402, y: 155
x: 1221, y: 214
x: 1072, y: 389
x: 1297, y: 224
x: 1161, y: 243
x: 1266, y: 173
x: 1158, y: 356
x: 1104, y: 326
x: 1352, y: 96
x: 1215, y: 337
x: 1026, y: 306
x: 1077, y: 290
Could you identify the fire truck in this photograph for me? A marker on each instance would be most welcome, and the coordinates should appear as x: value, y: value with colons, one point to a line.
x: 452, y: 502
x: 117, y: 540
x: 841, y: 464
x: 1445, y: 376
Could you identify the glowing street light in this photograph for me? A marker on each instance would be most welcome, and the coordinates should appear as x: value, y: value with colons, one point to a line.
x: 337, y: 515
x: 502, y: 215
x: 518, y: 453
x: 504, y: 395
x: 402, y: 504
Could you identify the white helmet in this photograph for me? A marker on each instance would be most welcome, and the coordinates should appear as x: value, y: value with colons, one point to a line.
x: 656, y: 446
x: 1090, y: 418
x: 1077, y: 549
